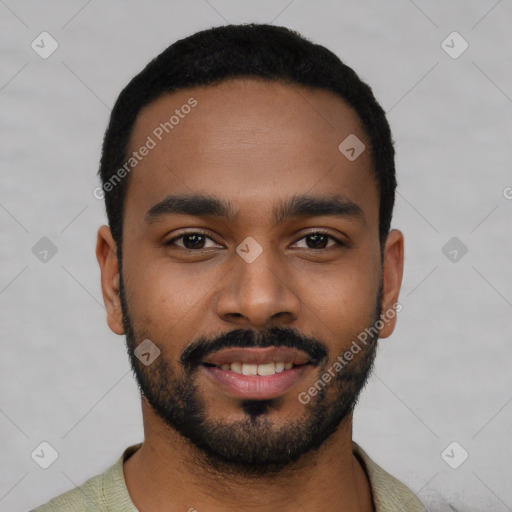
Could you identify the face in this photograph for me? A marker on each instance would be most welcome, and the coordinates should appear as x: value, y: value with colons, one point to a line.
x: 257, y: 275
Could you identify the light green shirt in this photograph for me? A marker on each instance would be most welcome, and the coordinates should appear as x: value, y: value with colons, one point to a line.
x: 107, y: 492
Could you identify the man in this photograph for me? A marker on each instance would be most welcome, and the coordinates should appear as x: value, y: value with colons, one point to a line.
x: 249, y: 184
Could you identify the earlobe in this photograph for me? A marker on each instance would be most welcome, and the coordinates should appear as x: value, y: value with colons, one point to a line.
x: 107, y: 258
x: 391, y: 280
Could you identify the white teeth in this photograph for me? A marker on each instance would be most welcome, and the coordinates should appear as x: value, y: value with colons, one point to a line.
x: 236, y: 367
x: 257, y: 369
x: 266, y: 369
x: 250, y: 369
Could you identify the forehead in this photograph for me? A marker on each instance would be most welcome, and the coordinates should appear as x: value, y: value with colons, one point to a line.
x: 250, y: 142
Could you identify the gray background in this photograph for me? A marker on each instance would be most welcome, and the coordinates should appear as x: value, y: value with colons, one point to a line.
x: 443, y: 376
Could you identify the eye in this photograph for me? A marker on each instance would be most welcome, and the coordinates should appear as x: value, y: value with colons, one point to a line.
x: 318, y: 239
x: 192, y: 240
x: 197, y: 240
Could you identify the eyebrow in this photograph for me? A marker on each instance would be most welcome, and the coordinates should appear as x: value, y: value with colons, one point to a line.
x: 302, y: 205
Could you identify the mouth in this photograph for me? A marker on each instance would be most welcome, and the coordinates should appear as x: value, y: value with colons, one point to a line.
x: 257, y: 373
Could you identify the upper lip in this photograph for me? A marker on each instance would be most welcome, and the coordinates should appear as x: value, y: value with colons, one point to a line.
x: 257, y: 355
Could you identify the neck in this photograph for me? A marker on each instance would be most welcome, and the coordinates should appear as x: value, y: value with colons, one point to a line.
x: 329, y: 479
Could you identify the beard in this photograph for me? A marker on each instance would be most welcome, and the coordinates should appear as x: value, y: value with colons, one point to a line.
x: 254, y: 446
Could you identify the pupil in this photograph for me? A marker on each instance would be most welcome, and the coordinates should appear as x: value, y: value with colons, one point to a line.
x: 316, y: 237
x: 196, y: 239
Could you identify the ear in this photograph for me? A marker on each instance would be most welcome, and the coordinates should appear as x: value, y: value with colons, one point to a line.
x: 391, y: 280
x: 107, y: 259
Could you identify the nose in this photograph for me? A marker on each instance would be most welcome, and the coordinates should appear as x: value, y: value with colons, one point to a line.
x: 257, y: 294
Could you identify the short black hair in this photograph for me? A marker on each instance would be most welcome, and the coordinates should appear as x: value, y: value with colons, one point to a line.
x: 268, y: 52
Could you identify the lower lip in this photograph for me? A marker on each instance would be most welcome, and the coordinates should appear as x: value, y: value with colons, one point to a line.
x: 256, y: 386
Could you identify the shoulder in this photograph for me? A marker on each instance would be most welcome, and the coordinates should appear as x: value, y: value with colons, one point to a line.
x: 103, y: 492
x: 389, y: 493
x: 81, y: 499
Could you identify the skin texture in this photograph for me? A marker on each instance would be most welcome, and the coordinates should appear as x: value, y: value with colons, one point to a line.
x: 254, y: 144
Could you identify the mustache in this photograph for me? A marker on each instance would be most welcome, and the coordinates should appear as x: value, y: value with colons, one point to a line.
x: 245, y: 338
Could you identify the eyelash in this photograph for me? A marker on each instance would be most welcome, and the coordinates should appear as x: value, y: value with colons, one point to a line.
x: 203, y: 233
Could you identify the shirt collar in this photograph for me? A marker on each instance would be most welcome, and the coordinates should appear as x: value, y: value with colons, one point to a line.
x: 389, y: 494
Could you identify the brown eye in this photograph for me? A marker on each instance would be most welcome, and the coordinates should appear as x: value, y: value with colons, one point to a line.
x: 191, y: 241
x: 319, y: 240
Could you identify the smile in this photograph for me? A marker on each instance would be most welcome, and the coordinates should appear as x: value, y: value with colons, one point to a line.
x: 256, y: 373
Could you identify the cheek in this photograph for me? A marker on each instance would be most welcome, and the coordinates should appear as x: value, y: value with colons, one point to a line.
x: 347, y: 305
x: 164, y: 298
x: 345, y: 301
